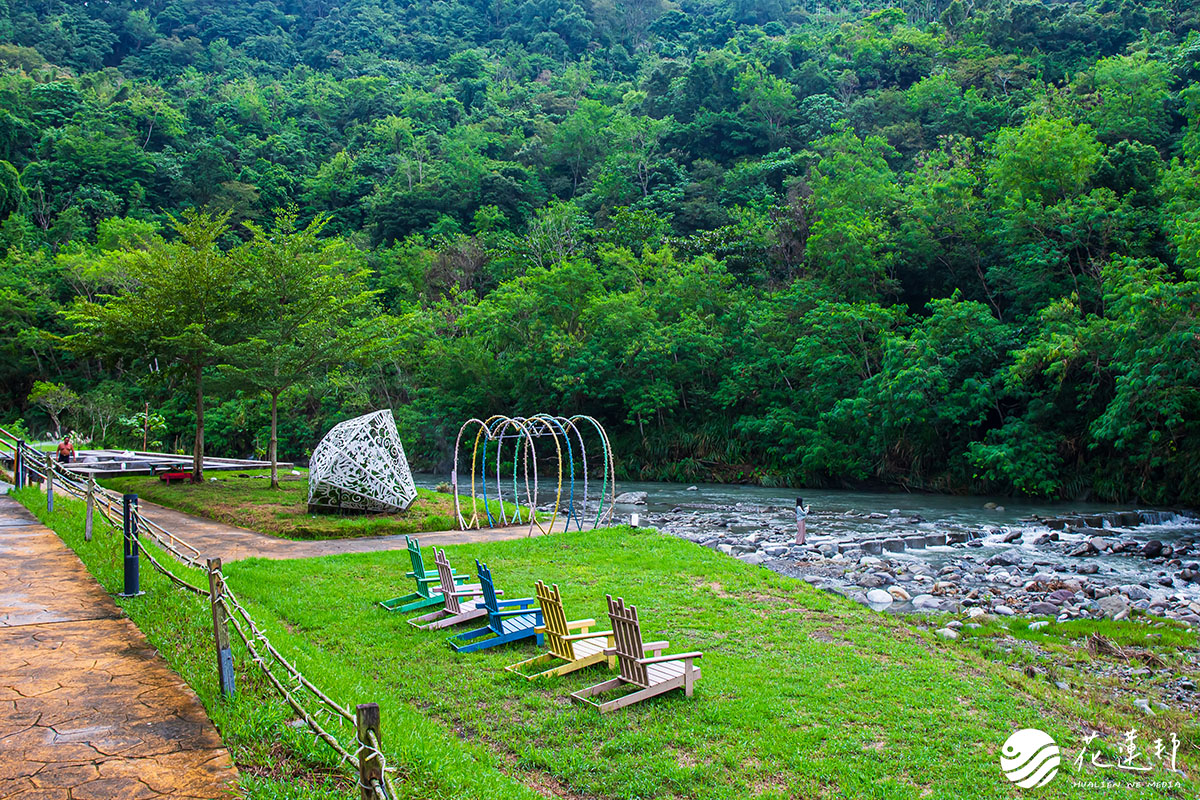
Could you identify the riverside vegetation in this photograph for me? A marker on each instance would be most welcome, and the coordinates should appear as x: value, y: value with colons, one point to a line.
x: 880, y: 707
x: 946, y: 245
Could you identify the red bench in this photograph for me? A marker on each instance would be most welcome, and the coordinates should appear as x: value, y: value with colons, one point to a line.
x: 167, y: 477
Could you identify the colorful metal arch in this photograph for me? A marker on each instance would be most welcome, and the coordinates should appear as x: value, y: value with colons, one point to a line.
x: 523, y: 431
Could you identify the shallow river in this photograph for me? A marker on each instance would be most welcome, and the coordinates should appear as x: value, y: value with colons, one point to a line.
x: 765, y: 517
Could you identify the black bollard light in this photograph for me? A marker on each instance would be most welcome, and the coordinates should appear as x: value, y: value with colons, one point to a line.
x: 19, y: 465
x: 129, y: 517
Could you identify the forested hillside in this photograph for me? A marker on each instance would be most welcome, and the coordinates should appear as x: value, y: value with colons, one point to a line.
x: 948, y: 246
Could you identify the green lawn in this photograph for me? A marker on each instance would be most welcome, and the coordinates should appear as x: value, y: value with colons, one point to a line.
x: 804, y: 694
x: 250, y: 502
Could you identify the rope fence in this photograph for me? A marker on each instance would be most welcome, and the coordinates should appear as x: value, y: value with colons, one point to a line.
x: 310, y: 703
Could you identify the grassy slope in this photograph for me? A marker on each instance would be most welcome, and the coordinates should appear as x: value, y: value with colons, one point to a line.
x: 252, y: 503
x: 803, y: 695
x: 276, y: 760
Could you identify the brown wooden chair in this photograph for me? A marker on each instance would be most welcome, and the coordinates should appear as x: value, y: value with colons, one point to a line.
x: 654, y: 675
x: 457, y: 606
x: 578, y: 650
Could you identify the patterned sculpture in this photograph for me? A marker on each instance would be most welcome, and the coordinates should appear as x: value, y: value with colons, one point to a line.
x: 360, y: 466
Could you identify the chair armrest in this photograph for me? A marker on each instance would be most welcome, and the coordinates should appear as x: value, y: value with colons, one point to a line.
x: 470, y: 591
x: 672, y: 657
x: 519, y: 612
x: 461, y: 579
x: 428, y: 579
x: 523, y: 601
x: 574, y: 637
x: 657, y: 647
x: 581, y: 623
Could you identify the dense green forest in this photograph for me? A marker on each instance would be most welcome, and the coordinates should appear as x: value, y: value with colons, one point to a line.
x: 945, y: 246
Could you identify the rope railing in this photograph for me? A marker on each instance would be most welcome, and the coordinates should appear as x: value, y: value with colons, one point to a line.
x: 303, y: 696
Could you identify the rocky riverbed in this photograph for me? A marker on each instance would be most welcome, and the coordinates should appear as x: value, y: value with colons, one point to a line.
x: 1067, y: 567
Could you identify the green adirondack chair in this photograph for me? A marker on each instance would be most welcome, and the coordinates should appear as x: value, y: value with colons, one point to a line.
x: 428, y: 591
x: 578, y: 650
x: 461, y: 604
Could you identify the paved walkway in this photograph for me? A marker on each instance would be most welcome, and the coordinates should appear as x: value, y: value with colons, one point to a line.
x: 231, y: 543
x: 87, y: 708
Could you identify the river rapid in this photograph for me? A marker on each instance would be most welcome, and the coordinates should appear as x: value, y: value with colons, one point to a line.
x: 931, y: 553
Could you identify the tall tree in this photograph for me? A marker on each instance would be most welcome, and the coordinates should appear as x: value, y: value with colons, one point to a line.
x: 185, y: 303
x: 311, y: 307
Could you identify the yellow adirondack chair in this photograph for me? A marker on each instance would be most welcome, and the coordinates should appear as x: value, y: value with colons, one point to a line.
x: 653, y: 676
x: 578, y: 650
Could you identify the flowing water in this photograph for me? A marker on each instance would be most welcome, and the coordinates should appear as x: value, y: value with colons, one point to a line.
x: 712, y: 513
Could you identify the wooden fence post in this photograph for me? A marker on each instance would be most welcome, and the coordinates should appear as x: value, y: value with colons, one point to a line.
x: 370, y: 769
x: 49, y: 482
x: 91, y: 508
x: 216, y: 594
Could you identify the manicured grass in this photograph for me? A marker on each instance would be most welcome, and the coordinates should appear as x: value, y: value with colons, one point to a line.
x: 804, y: 694
x: 252, y: 503
x: 276, y: 756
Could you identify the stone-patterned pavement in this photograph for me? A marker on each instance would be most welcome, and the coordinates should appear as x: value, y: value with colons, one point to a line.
x: 87, y: 708
x: 230, y: 543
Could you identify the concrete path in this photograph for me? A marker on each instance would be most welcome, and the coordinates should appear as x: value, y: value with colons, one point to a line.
x: 87, y: 708
x: 231, y: 543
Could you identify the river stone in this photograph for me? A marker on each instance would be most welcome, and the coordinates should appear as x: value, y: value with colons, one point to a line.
x: 893, y: 545
x: 873, y: 546
x: 1102, y: 543
x: 1012, y: 536
x: 1084, y: 549
x: 935, y: 539
x: 914, y: 542
x: 1113, y: 605
x: 926, y: 601
x: 878, y: 597
x: 1003, y: 611
x: 1005, y: 558
x: 1061, y: 596
x: 631, y: 498
x: 898, y: 593
x: 871, y: 580
x: 1134, y: 592
x: 752, y: 558
x: 947, y: 633
x: 957, y: 537
x: 1042, y: 608
x: 692, y: 489
x: 1088, y: 569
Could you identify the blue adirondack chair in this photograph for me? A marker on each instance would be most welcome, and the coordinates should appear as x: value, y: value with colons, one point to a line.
x: 508, y: 620
x: 428, y: 591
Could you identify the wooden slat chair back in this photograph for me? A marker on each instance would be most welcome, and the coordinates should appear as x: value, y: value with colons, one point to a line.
x: 488, y: 587
x: 627, y: 633
x: 556, y: 621
x: 446, y: 576
x: 418, y: 567
x: 654, y: 675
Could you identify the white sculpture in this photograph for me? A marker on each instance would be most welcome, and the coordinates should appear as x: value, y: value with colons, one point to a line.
x: 360, y: 466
